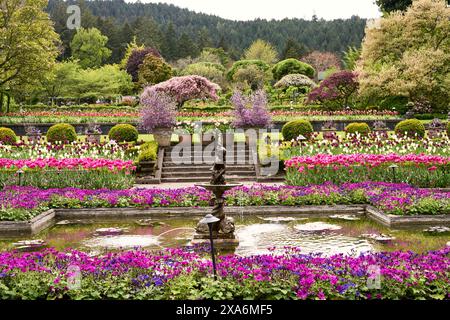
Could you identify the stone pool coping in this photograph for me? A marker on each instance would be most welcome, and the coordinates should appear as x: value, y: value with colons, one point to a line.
x: 49, y: 218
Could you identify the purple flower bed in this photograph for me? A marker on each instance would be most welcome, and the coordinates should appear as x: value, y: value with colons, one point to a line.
x: 392, y: 198
x: 184, y: 274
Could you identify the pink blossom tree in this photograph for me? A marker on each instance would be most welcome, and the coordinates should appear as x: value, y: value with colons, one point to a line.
x: 185, y: 88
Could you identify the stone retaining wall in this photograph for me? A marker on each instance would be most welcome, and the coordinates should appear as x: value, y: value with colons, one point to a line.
x: 19, y: 129
x: 50, y: 217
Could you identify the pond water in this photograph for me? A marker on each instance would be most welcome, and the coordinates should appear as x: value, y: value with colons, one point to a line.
x: 256, y: 235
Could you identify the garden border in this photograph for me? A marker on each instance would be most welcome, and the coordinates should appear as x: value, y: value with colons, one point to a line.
x: 49, y: 218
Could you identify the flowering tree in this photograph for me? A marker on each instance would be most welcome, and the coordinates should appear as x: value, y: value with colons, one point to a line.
x: 295, y: 80
x: 185, y: 88
x: 251, y: 111
x: 136, y: 58
x: 322, y: 61
x: 407, y: 55
x: 158, y: 111
x: 335, y: 91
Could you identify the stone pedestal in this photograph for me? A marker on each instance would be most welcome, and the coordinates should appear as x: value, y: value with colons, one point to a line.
x: 223, y: 230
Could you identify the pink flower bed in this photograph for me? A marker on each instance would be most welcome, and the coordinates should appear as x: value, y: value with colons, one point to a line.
x: 368, y: 160
x: 67, y: 164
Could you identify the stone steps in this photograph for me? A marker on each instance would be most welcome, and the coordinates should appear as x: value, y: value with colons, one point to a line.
x: 239, y: 166
x: 207, y: 167
x: 206, y: 179
x: 206, y: 174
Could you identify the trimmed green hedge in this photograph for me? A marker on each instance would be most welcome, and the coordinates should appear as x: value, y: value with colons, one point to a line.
x: 290, y: 66
x: 358, y: 127
x: 148, y: 151
x: 62, y: 132
x: 410, y: 127
x: 7, y: 136
x: 293, y: 129
x: 123, y: 133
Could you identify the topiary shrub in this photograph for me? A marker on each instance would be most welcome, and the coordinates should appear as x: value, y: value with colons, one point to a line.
x: 62, y: 132
x: 148, y: 152
x: 244, y: 64
x: 293, y: 129
x: 358, y: 127
x: 7, y: 136
x: 292, y: 66
x: 411, y: 128
x: 123, y: 132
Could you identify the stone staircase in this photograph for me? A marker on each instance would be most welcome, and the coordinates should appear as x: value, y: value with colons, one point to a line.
x: 197, y: 163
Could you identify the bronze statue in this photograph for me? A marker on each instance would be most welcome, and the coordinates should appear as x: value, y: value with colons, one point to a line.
x: 218, y: 169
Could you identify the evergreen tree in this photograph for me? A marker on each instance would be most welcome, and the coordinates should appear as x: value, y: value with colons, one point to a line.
x: 186, y: 47
x: 393, y: 5
x: 169, y: 46
x: 204, y: 40
x: 293, y: 49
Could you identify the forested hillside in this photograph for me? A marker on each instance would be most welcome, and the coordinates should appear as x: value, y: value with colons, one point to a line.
x: 179, y: 33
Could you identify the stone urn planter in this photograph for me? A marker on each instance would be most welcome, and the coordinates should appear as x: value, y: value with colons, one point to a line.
x: 93, y: 137
x: 162, y: 136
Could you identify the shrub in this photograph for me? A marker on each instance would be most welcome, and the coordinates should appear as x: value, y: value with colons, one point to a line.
x: 243, y: 64
x: 358, y: 127
x: 186, y: 88
x: 292, y: 66
x: 336, y: 91
x: 212, y: 71
x: 410, y: 127
x: 159, y: 111
x: 62, y: 132
x: 252, y: 77
x: 7, y: 136
x: 136, y: 58
x: 153, y: 70
x: 251, y: 111
x: 123, y: 132
x: 448, y: 129
x: 295, y: 80
x: 148, y: 151
x: 293, y: 129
